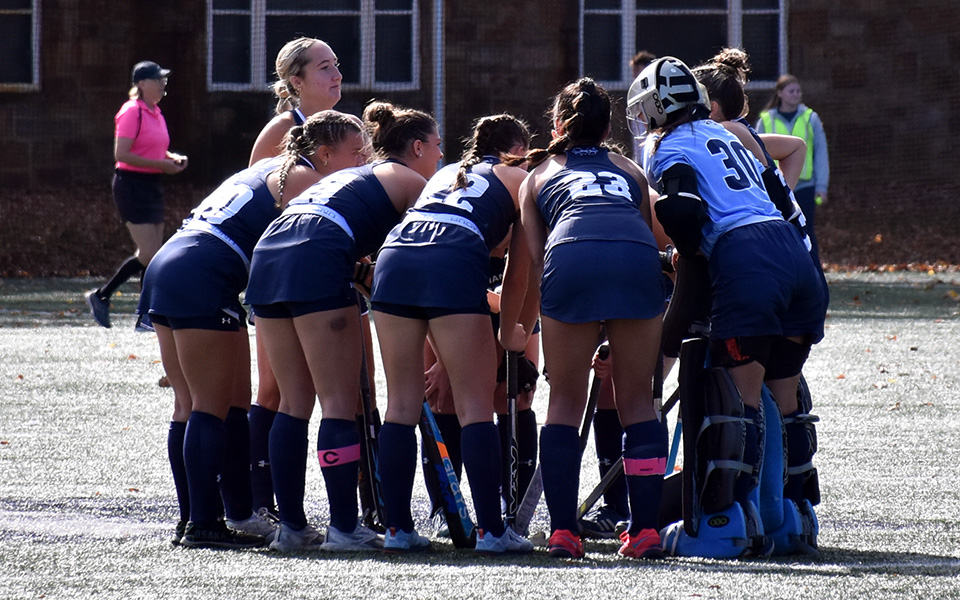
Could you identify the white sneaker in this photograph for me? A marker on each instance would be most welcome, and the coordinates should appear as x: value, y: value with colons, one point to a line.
x: 401, y: 541
x: 360, y: 539
x: 288, y: 539
x: 510, y: 541
x: 257, y: 524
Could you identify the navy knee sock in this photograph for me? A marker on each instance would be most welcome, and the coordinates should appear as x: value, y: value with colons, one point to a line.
x: 235, y: 471
x: 644, y: 460
x: 398, y: 466
x: 175, y: 455
x: 288, y: 460
x: 261, y: 420
x: 127, y: 269
x: 338, y: 449
x: 608, y: 437
x: 203, y: 445
x: 480, y: 443
x: 560, y: 467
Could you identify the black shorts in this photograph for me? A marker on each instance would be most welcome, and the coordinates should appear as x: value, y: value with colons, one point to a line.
x: 225, y: 320
x: 138, y: 196
x: 425, y: 313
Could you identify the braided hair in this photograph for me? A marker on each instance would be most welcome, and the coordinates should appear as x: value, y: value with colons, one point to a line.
x: 493, y: 135
x: 582, y: 109
x: 325, y: 128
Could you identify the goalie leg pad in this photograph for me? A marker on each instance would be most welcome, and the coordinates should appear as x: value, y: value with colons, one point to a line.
x: 712, y: 412
x: 802, y: 480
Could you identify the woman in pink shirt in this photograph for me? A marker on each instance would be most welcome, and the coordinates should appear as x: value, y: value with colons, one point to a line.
x: 141, y: 150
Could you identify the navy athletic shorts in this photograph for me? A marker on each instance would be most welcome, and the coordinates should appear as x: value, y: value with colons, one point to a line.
x: 765, y: 282
x: 600, y: 280
x: 194, y: 276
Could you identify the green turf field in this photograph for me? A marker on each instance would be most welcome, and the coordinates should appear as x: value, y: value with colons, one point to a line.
x: 87, y: 502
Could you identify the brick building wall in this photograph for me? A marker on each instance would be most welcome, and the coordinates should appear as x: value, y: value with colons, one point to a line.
x: 883, y: 74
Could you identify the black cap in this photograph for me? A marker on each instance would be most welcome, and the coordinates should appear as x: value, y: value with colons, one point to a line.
x: 148, y: 70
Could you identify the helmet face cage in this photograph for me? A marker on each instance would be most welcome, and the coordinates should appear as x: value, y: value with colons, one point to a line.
x: 665, y: 86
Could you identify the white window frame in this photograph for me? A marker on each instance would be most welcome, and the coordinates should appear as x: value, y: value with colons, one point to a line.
x: 34, y: 85
x: 630, y: 9
x: 262, y: 75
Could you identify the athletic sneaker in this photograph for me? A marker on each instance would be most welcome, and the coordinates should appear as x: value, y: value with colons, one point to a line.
x: 99, y: 308
x: 400, y: 541
x: 563, y: 543
x: 360, y: 539
x: 646, y: 544
x: 144, y: 324
x: 218, y: 535
x: 256, y: 524
x: 510, y: 541
x: 439, y: 522
x: 288, y: 539
x: 178, y: 532
x: 601, y: 523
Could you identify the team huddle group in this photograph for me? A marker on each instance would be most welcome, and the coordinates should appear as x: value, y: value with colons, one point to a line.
x: 333, y: 208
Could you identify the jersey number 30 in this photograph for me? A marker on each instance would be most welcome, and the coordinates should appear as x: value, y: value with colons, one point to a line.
x: 738, y: 161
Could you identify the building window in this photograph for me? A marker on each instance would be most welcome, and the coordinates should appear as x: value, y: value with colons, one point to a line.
x: 612, y: 31
x: 19, y: 45
x: 376, y: 41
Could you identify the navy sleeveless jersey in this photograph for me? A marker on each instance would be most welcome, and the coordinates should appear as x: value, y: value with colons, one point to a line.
x: 438, y: 256
x: 203, y: 268
x: 590, y: 198
x: 240, y: 209
x: 601, y: 260
x: 309, y: 251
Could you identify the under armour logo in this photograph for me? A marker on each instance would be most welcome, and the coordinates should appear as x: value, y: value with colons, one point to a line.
x: 224, y: 320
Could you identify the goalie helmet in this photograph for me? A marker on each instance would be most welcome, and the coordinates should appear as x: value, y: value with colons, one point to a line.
x: 665, y: 86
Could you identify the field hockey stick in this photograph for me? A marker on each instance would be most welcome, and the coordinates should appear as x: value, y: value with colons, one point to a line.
x: 616, y: 470
x: 532, y: 496
x: 370, y: 442
x: 442, y: 477
x: 513, y: 485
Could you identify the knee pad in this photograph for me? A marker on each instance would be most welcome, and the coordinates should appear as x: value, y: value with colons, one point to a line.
x: 712, y: 413
x: 801, y: 433
x: 786, y: 358
x: 733, y: 352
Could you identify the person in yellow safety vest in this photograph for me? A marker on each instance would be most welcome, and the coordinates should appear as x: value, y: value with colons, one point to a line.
x: 786, y: 114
